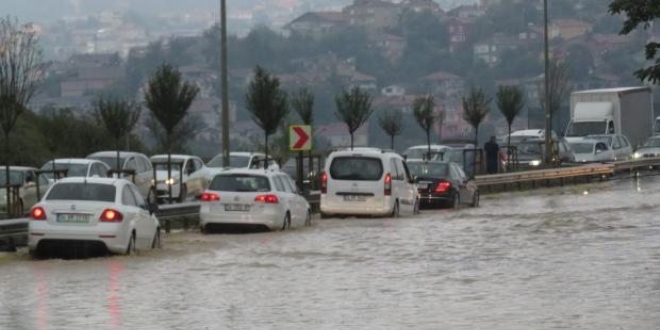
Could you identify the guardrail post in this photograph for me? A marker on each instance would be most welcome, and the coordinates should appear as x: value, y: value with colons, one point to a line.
x: 168, y: 226
x: 186, y: 225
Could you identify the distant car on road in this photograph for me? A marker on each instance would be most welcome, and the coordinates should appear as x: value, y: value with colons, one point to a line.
x: 26, y: 179
x: 617, y: 143
x: 108, y: 213
x: 650, y: 149
x: 421, y: 152
x: 591, y: 151
x: 443, y: 184
x: 76, y: 167
x: 262, y: 199
x: 131, y: 161
x: 183, y: 184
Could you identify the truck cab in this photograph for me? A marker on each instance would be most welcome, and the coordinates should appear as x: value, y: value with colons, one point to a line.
x: 591, y: 118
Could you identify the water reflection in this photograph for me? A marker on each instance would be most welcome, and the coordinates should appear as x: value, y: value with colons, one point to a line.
x: 41, y: 272
x: 115, y: 270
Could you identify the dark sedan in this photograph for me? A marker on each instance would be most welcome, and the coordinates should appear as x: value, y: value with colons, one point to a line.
x: 443, y: 184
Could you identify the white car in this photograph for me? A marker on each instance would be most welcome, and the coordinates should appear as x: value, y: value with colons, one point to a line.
x: 367, y: 182
x: 618, y: 143
x: 591, y: 151
x: 255, y: 198
x: 192, y: 185
x: 25, y: 181
x: 420, y: 152
x: 76, y: 167
x: 106, y: 212
x: 130, y: 161
x: 650, y: 149
x: 237, y: 159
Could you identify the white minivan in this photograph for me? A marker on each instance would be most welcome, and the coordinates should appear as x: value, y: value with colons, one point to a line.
x: 367, y: 182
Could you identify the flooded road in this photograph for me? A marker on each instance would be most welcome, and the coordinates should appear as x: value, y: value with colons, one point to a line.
x: 566, y: 258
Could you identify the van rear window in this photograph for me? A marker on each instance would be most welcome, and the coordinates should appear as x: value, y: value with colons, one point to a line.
x: 356, y: 168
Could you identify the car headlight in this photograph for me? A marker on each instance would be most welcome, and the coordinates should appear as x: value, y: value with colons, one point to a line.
x: 171, y: 181
x: 637, y: 155
x: 535, y: 163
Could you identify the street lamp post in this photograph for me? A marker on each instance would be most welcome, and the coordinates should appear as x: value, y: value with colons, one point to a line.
x: 223, y: 81
x: 546, y: 92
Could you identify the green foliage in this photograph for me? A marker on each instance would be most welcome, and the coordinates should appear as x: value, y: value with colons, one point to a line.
x: 644, y: 13
x: 424, y: 113
x: 302, y: 103
x: 266, y: 102
x: 354, y: 109
x: 510, y: 101
x: 169, y: 98
x: 476, y: 106
x: 391, y: 122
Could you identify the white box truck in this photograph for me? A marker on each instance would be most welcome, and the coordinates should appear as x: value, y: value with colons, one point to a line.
x: 621, y: 110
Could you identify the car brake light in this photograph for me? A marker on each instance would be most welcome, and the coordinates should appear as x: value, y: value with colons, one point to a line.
x: 442, y: 187
x: 388, y: 184
x: 38, y: 213
x: 110, y: 215
x: 324, y: 183
x: 209, y: 197
x: 268, y: 199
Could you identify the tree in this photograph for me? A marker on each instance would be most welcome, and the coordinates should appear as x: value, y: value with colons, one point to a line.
x: 267, y: 103
x: 476, y: 106
x: 424, y: 113
x: 168, y: 98
x: 119, y: 116
x: 640, y: 12
x: 391, y: 121
x: 354, y: 109
x: 510, y: 101
x: 19, y: 76
x: 303, y: 104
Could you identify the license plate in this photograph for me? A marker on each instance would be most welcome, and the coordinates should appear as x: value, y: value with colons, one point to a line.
x: 355, y: 198
x: 237, y: 207
x: 73, y: 217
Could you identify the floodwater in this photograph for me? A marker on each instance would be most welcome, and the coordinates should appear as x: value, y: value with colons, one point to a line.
x: 583, y: 257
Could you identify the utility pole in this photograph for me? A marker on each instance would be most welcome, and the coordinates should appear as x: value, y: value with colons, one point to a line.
x: 546, y: 92
x: 223, y: 81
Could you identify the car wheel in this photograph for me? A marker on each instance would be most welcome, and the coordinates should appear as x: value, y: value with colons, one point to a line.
x: 286, y: 224
x: 183, y: 194
x: 475, y: 199
x: 457, y: 202
x: 202, y: 229
x: 130, y: 250
x: 157, y: 243
x: 395, y: 210
x: 308, y: 219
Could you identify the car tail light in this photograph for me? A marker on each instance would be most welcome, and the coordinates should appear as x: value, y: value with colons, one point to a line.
x: 388, y: 184
x: 268, y: 199
x: 324, y: 182
x: 38, y: 213
x: 209, y: 197
x: 110, y: 215
x: 442, y: 187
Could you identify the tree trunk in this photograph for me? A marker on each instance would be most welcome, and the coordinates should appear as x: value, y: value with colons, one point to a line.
x: 392, y: 141
x: 7, y: 183
x: 266, y: 160
x: 310, y: 169
x: 508, y: 150
x: 169, y: 169
x: 476, y: 149
x: 351, y: 140
x: 428, y: 143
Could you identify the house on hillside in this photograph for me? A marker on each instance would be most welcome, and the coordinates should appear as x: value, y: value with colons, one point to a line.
x: 391, y: 46
x: 373, y: 14
x: 95, y: 60
x: 393, y: 90
x: 90, y: 81
x: 447, y: 86
x: 568, y: 28
x: 490, y: 51
x: 419, y: 6
x: 467, y: 11
x: 459, y: 29
x: 402, y: 103
x: 317, y: 24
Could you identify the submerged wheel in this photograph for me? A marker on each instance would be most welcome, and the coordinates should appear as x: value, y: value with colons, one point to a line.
x: 286, y: 223
x: 457, y: 202
x: 157, y: 242
x: 475, y: 199
x: 395, y: 210
x: 130, y: 250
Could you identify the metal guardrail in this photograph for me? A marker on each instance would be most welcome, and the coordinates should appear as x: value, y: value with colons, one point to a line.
x: 547, y: 174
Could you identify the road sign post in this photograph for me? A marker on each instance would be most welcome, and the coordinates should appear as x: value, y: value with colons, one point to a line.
x: 300, y: 139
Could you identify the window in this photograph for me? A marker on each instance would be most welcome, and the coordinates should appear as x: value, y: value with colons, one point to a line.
x: 240, y: 183
x: 624, y: 141
x: 394, y: 171
x: 141, y: 203
x: 407, y: 171
x: 401, y: 172
x: 279, y: 186
x: 356, y: 168
x: 600, y: 146
x: 616, y: 144
x: 82, y: 192
x: 131, y: 164
x: 288, y: 186
x: 127, y: 197
x: 143, y: 164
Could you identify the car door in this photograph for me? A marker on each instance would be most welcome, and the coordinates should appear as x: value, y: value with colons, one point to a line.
x: 460, y: 181
x: 131, y: 214
x: 615, y: 146
x: 147, y: 222
x: 195, y: 182
x: 289, y: 202
x: 626, y: 149
x: 298, y: 201
x: 406, y: 191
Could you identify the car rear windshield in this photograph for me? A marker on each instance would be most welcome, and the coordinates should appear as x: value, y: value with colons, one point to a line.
x: 110, y: 161
x: 240, y: 183
x: 433, y: 170
x: 356, y: 168
x: 80, y: 191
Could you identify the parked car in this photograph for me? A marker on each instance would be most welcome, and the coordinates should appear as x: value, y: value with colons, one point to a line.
x: 108, y: 213
x: 523, y: 135
x: 591, y: 151
x: 192, y: 185
x: 253, y: 198
x: 131, y: 161
x: 618, y: 143
x: 529, y: 154
x: 243, y: 159
x: 367, y: 182
x: 443, y: 184
x: 26, y: 179
x: 76, y: 167
x: 650, y: 149
x: 420, y: 152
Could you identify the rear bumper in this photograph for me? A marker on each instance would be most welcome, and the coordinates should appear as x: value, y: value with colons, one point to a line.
x: 376, y: 208
x: 270, y: 218
x: 429, y: 200
x: 115, y: 239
